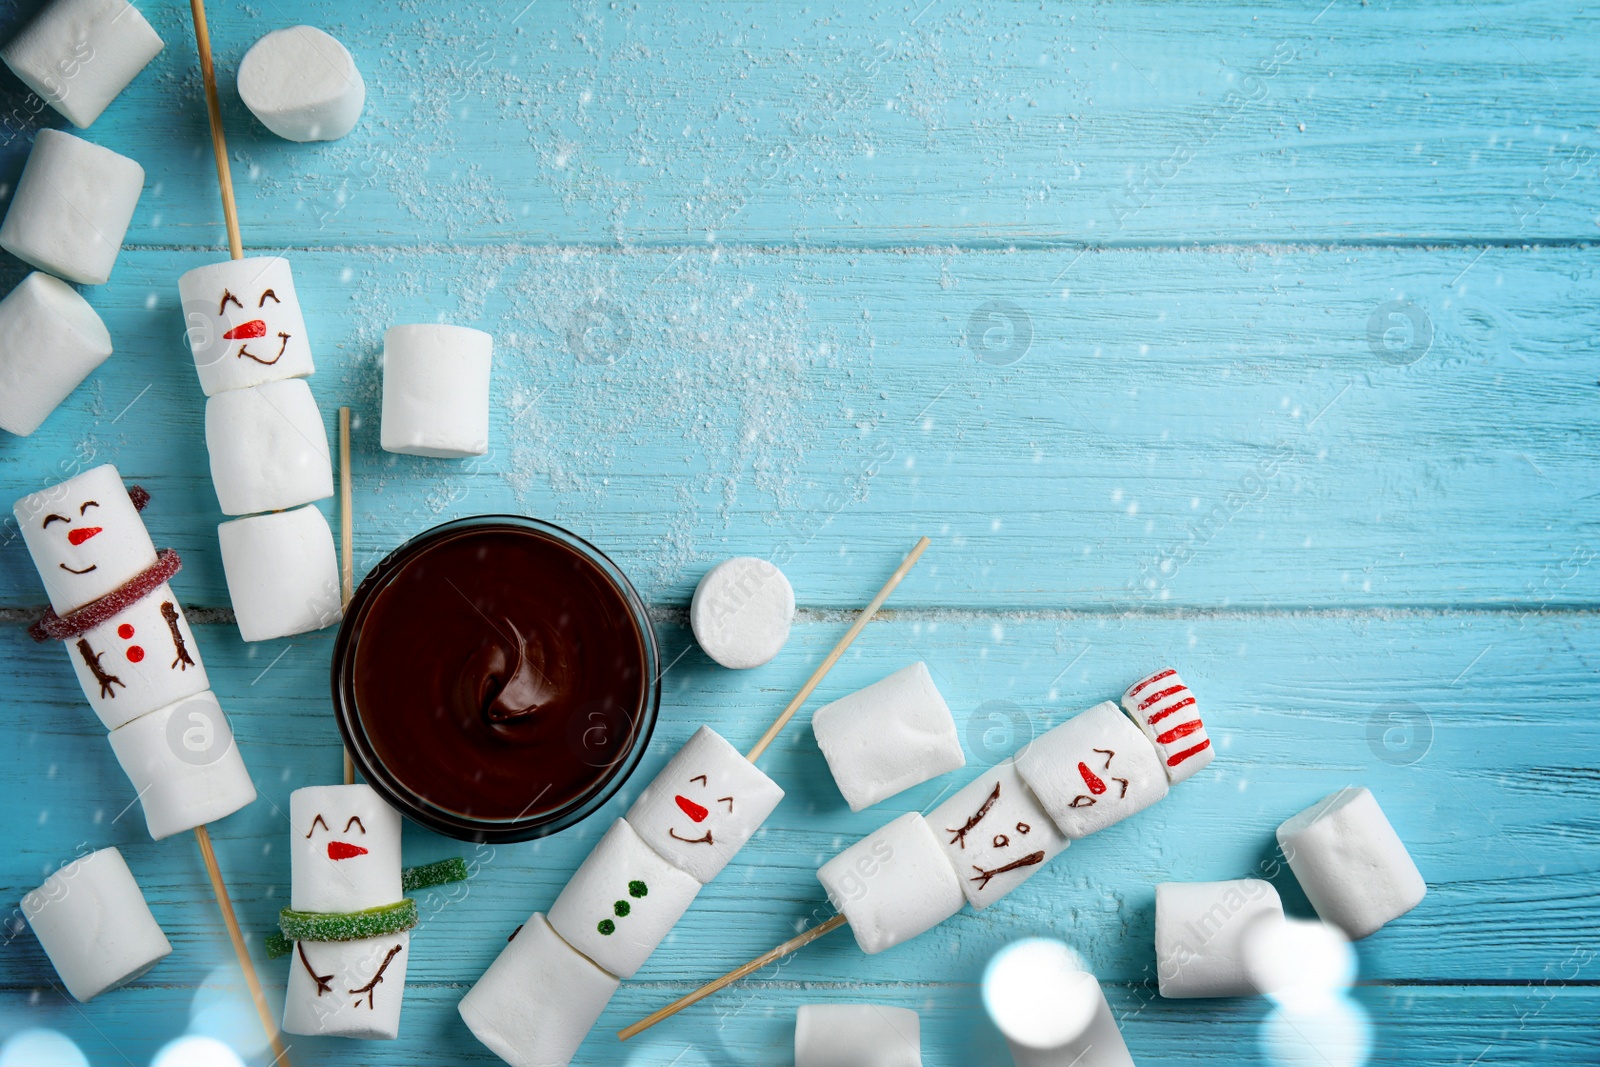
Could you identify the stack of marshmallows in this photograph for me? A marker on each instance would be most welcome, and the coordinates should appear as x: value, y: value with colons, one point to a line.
x: 72, y: 205
x: 269, y: 450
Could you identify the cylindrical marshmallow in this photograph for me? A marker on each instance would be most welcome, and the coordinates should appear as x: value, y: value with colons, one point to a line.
x: 896, y: 733
x: 94, y: 924
x: 50, y: 339
x: 269, y: 450
x: 72, y: 207
x: 741, y: 612
x: 344, y: 849
x: 184, y: 765
x: 1095, y: 769
x: 436, y: 391
x: 244, y: 325
x: 704, y: 805
x: 996, y: 834
x: 893, y: 884
x: 1200, y: 935
x: 302, y: 84
x: 142, y: 658
x: 1051, y: 1011
x: 79, y: 54
x: 857, y: 1035
x: 85, y: 537
x: 538, y: 1000
x: 1165, y: 709
x: 283, y: 575
x: 1351, y: 863
x: 347, y: 988
x: 622, y: 902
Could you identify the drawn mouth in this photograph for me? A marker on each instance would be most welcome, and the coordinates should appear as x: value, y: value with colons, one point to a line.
x: 244, y: 350
x: 706, y: 840
x: 86, y: 570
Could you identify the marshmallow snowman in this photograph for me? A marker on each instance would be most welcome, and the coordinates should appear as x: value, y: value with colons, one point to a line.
x: 345, y: 859
x: 1093, y: 770
x: 132, y: 649
x: 244, y: 324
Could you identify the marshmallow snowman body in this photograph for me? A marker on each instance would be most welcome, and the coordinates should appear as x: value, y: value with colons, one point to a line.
x: 282, y: 572
x: 896, y: 733
x: 184, y: 765
x: 268, y: 448
x: 996, y: 834
x: 72, y: 207
x: 347, y: 988
x: 1164, y: 708
x: 1093, y: 770
x: 79, y: 54
x: 857, y: 1035
x: 622, y: 902
x: 893, y: 884
x: 1201, y: 935
x: 50, y: 341
x: 741, y: 612
x: 244, y: 325
x: 94, y: 924
x: 85, y: 536
x: 703, y: 806
x: 139, y: 660
x: 1355, y: 870
x: 436, y: 391
x: 538, y: 1000
x: 302, y: 84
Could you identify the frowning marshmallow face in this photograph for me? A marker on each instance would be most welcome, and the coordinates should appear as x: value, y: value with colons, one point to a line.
x: 344, y: 849
x: 85, y: 536
x: 244, y: 324
x: 996, y: 834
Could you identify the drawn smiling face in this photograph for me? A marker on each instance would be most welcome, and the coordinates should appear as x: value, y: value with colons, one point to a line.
x: 698, y: 813
x: 247, y: 332
x: 85, y: 536
x: 345, y: 853
x: 244, y: 324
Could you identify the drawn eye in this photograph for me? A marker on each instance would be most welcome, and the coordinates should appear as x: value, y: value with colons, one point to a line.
x: 222, y: 305
x: 48, y: 519
x: 263, y: 301
x: 318, y: 819
x: 87, y: 504
x: 355, y: 820
x: 726, y: 800
x: 699, y: 778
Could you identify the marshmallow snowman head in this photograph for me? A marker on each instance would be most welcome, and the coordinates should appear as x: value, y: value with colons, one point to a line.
x: 85, y: 536
x: 344, y: 849
x: 1093, y: 770
x: 244, y: 324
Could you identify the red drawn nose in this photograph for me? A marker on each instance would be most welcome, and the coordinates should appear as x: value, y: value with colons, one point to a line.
x: 1090, y: 779
x: 338, y: 850
x: 691, y: 809
x: 82, y: 534
x: 253, y: 328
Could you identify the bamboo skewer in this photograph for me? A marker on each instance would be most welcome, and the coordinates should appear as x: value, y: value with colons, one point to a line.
x: 280, y: 1054
x: 771, y: 955
x: 219, y: 146
x: 346, y: 546
x: 838, y: 650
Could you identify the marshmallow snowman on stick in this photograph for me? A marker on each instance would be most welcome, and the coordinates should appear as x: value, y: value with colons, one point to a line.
x: 1088, y: 773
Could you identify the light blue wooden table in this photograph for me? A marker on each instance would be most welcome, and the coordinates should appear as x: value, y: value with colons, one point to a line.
x: 1255, y: 338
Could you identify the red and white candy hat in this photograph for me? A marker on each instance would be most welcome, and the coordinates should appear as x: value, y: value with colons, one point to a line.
x: 1166, y: 711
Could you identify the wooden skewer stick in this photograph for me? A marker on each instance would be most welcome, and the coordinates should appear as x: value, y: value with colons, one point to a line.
x: 280, y: 1054
x: 838, y: 650
x: 346, y: 544
x: 219, y: 146
x: 792, y: 945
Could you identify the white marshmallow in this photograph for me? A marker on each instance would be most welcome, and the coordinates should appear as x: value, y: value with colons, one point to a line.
x: 79, y: 54
x: 50, y: 340
x: 857, y: 1035
x: 1200, y: 935
x: 269, y: 450
x: 1351, y: 863
x: 327, y: 823
x: 85, y: 537
x: 622, y: 902
x: 1051, y: 1011
x: 893, y: 884
x: 741, y: 612
x: 436, y: 391
x: 351, y: 1005
x: 1095, y: 769
x: 184, y: 765
x: 94, y: 924
x: 254, y: 300
x: 1166, y: 711
x: 995, y: 822
x: 72, y: 207
x: 140, y: 659
x: 896, y: 733
x: 538, y: 1000
x: 283, y: 575
x: 302, y: 84
x: 704, y: 805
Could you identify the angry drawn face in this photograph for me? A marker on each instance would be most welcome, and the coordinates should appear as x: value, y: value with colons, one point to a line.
x: 244, y: 324
x: 996, y: 834
x: 85, y: 536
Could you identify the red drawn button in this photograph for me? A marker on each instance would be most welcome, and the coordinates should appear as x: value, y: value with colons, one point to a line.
x: 135, y: 653
x: 125, y: 631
